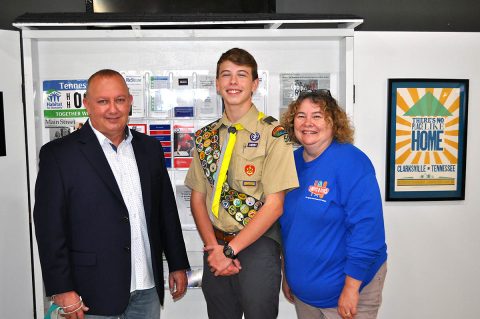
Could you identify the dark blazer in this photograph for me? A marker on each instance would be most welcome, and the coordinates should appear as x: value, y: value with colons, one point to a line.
x: 82, y: 224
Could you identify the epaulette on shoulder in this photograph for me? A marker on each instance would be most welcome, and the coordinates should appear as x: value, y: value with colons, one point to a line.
x: 269, y: 120
x: 207, y: 127
x: 214, y: 122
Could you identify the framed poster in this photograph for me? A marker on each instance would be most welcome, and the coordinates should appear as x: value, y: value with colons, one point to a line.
x: 427, y: 139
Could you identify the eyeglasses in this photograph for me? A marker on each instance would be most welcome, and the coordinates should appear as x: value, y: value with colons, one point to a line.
x: 315, y: 93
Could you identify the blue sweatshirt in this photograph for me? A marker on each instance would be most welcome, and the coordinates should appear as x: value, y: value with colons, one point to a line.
x: 332, y: 225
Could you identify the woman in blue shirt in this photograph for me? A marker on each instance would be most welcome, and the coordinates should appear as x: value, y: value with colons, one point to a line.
x: 332, y: 226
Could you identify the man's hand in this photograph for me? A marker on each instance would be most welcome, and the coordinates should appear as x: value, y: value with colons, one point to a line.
x: 219, y: 264
x: 233, y: 269
x: 177, y: 282
x: 71, y: 305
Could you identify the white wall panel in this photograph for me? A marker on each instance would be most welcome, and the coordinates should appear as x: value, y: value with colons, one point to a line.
x: 433, y: 246
x: 16, y: 292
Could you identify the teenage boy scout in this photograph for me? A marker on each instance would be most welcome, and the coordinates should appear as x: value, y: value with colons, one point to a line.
x: 242, y: 166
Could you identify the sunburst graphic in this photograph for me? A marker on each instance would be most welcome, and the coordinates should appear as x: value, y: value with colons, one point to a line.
x: 427, y: 133
x: 430, y: 103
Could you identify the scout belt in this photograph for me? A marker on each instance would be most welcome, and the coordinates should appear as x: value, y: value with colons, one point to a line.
x: 241, y: 206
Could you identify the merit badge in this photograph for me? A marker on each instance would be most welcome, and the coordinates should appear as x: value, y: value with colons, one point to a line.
x: 249, y: 169
x: 278, y: 131
x: 239, y: 217
x: 231, y: 210
x: 206, y: 135
x: 242, y: 196
x: 225, y: 187
x: 245, y: 221
x: 252, y: 213
x: 198, y: 140
x: 204, y: 164
x: 201, y: 155
x: 213, y: 167
x: 207, y: 173
x: 216, y: 154
x: 225, y: 204
x: 215, y: 139
x: 257, y: 205
x: 209, y: 159
x: 208, y: 150
x: 237, y: 202
x: 244, y: 209
x: 250, y: 201
x: 254, y: 137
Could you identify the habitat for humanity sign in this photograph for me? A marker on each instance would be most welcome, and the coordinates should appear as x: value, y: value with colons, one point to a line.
x: 62, y: 106
x: 63, y: 98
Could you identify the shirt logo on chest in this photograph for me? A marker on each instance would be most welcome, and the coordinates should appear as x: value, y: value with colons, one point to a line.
x: 318, y: 190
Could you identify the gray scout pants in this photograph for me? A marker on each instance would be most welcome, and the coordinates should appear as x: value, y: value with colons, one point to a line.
x: 254, y: 291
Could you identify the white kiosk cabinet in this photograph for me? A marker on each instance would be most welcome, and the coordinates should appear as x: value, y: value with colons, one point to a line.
x: 282, y: 45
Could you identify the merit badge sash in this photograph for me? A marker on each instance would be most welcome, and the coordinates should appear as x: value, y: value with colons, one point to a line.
x: 242, y: 207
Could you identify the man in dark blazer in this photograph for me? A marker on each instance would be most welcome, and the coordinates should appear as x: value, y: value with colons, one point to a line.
x: 105, y: 213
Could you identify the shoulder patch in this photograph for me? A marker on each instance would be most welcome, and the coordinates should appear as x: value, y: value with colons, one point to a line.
x: 269, y: 119
x: 278, y: 131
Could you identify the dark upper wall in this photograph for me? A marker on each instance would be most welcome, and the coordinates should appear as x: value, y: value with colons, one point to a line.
x: 397, y: 15
x: 10, y: 9
x: 378, y: 15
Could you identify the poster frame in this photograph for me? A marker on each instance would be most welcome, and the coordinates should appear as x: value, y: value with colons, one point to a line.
x: 425, y: 188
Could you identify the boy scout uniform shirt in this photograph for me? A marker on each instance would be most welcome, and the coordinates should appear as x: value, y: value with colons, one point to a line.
x: 261, y: 164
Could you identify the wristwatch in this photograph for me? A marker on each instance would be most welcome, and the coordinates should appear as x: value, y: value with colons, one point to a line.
x: 228, y: 252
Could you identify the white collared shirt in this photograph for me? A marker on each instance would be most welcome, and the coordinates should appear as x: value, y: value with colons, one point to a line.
x: 125, y: 169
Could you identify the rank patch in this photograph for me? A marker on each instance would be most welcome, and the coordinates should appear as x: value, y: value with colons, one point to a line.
x: 249, y: 169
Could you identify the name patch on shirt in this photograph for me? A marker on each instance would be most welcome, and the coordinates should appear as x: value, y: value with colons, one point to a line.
x: 249, y: 183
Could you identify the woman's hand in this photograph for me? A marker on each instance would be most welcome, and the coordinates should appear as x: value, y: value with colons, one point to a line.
x: 348, y: 301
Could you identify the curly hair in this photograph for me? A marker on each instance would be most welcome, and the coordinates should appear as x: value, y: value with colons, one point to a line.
x: 334, y: 114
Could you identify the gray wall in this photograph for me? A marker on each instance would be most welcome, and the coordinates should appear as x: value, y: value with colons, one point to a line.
x: 379, y: 15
